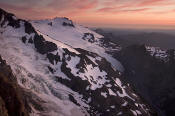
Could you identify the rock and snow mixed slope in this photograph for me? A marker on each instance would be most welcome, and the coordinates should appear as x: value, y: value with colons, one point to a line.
x: 76, y: 36
x: 161, y: 54
x: 65, y: 74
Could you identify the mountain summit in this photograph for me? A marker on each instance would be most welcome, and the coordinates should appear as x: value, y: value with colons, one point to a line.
x: 65, y: 70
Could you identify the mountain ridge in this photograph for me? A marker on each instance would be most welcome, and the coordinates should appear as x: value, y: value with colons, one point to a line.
x: 63, y: 80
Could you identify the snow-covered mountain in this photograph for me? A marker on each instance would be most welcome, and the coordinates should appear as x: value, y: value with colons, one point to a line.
x: 159, y: 53
x: 65, y: 31
x: 66, y: 70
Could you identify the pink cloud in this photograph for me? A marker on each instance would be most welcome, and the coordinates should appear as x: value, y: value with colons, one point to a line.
x: 86, y: 4
x: 137, y: 10
x: 67, y: 5
x: 118, y: 10
x: 26, y: 12
x: 86, y: 9
x: 14, y: 7
x: 51, y: 8
x: 153, y: 2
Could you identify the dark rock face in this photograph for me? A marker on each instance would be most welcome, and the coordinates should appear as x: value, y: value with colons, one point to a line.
x: 29, y: 28
x: 89, y: 36
x: 152, y: 78
x: 12, y: 21
x: 24, y: 39
x: 10, y: 18
x: 10, y: 93
x: 51, y: 70
x: 84, y: 60
x: 70, y: 23
x: 3, y: 110
x: 30, y: 40
x: 50, y: 23
x: 53, y: 58
x: 43, y: 46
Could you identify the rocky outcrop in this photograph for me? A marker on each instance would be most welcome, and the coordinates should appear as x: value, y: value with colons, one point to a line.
x: 11, y: 101
x: 43, y: 46
x: 10, y: 18
x: 89, y: 37
x: 3, y: 110
x: 53, y: 58
x: 29, y: 28
x: 68, y: 23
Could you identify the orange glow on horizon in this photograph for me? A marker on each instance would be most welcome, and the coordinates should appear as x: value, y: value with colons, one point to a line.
x: 99, y: 12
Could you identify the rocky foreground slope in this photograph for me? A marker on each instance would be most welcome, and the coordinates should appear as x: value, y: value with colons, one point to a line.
x: 60, y: 79
x: 11, y: 97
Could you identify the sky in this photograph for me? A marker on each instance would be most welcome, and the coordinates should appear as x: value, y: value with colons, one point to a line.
x: 98, y: 13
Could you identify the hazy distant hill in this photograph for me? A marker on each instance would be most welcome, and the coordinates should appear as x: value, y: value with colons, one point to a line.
x: 151, y: 70
x: 126, y: 37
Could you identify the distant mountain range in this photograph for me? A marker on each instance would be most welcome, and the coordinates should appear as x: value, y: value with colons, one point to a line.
x: 162, y: 39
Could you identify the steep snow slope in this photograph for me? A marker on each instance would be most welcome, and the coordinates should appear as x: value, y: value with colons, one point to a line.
x: 75, y: 36
x: 61, y: 80
x: 33, y: 74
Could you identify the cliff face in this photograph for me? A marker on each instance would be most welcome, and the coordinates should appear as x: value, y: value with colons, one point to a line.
x: 152, y: 76
x: 3, y: 110
x: 11, y: 101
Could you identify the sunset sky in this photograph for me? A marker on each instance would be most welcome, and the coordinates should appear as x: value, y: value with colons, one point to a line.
x: 103, y: 13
